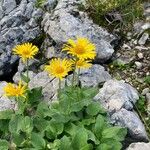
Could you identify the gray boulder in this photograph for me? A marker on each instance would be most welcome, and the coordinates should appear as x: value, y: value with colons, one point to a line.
x: 66, y: 21
x: 49, y: 84
x: 139, y: 146
x: 132, y: 122
x: 18, y: 24
x: 118, y: 98
x: 91, y: 77
x: 116, y: 95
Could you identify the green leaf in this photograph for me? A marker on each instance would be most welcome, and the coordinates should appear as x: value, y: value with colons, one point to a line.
x: 25, y: 78
x: 88, y: 121
x: 37, y: 141
x: 94, y: 108
x: 147, y: 79
x: 54, y: 129
x: 74, y: 99
x: 18, y: 139
x: 4, y: 126
x: 65, y: 143
x: 21, y: 107
x: 35, y: 95
x: 42, y: 110
x: 40, y: 124
x: 116, y: 133
x: 110, y: 145
x: 54, y: 146
x: 26, y: 124
x: 6, y: 114
x: 92, y: 137
x: 79, y: 141
x: 4, y: 145
x: 15, y: 124
x: 99, y: 126
x: 71, y: 128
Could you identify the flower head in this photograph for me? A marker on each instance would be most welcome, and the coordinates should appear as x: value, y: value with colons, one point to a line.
x: 59, y: 68
x: 26, y: 51
x: 15, y: 90
x: 81, y: 48
x: 83, y: 64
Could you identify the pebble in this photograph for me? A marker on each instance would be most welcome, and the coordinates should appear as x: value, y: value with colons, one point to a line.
x: 145, y: 91
x: 126, y: 47
x: 141, y: 48
x: 138, y: 65
x: 148, y: 98
x: 140, y: 55
x: 143, y: 38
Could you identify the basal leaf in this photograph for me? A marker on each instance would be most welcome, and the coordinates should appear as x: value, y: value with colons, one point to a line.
x: 94, y: 108
x: 35, y: 95
x: 18, y: 139
x: 4, y: 145
x: 54, y: 129
x: 116, y: 133
x: 65, y: 143
x: 42, y: 110
x: 99, y: 126
x: 26, y: 124
x: 15, y: 124
x: 37, y: 141
x: 6, y: 114
x: 79, y: 141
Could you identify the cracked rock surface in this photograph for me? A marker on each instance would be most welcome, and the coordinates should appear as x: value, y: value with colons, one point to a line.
x: 18, y: 24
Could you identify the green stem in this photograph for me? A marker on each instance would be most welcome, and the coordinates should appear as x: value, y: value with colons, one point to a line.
x: 27, y: 65
x: 73, y: 78
x: 78, y: 75
x: 59, y: 88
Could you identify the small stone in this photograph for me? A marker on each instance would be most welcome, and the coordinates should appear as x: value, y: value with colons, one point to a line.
x: 127, y: 47
x: 140, y: 55
x: 135, y: 42
x: 143, y: 39
x: 141, y: 48
x: 129, y: 34
x: 139, y: 146
x: 148, y: 98
x: 146, y: 26
x: 145, y: 91
x: 138, y: 65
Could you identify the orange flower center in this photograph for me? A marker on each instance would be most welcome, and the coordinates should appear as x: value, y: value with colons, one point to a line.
x: 59, y: 70
x: 26, y: 52
x: 80, y: 49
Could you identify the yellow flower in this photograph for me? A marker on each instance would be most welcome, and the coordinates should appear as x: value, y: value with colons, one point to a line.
x: 83, y: 64
x: 15, y: 90
x: 82, y: 48
x: 26, y: 51
x: 59, y: 68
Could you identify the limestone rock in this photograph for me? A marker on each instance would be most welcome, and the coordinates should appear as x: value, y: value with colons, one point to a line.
x: 67, y: 21
x: 132, y: 122
x: 139, y: 146
x: 118, y: 98
x: 116, y: 95
x: 143, y: 39
x: 49, y: 84
x: 19, y: 24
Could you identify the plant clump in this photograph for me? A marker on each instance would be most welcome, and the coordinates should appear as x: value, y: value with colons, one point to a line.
x: 74, y: 122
